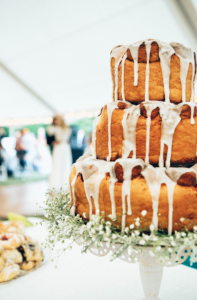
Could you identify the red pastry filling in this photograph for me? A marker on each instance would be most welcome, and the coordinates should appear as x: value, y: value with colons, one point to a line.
x: 4, y: 238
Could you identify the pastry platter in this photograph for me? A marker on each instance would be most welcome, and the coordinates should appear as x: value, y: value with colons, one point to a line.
x: 23, y: 273
x: 19, y: 260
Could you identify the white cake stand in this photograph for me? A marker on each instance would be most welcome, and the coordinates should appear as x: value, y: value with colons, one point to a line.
x: 151, y: 266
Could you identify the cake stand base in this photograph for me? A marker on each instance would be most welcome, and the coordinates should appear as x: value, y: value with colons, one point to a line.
x: 151, y: 267
x: 151, y: 276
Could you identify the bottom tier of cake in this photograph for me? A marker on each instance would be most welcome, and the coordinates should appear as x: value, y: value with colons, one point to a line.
x: 126, y: 187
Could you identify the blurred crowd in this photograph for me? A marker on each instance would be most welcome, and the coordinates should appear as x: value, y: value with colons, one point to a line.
x: 25, y: 152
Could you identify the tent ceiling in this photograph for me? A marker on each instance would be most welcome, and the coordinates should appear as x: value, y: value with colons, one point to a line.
x: 60, y: 49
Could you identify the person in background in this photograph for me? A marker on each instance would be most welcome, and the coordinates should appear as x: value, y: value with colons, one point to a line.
x: 88, y: 143
x: 42, y: 161
x: 61, y: 155
x: 25, y: 147
x: 20, y: 150
x: 1, y: 154
x: 2, y: 133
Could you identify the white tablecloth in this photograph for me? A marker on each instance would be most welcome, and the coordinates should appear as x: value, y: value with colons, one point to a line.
x: 87, y: 277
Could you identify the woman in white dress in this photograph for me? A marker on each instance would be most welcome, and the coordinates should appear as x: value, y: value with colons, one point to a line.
x: 61, y: 154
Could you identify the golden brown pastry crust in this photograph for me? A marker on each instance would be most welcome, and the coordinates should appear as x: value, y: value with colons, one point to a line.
x: 31, y: 250
x: 9, y: 271
x: 184, y: 138
x: 28, y: 265
x: 11, y: 241
x: 14, y: 255
x: 184, y: 201
x: 1, y: 264
x: 12, y: 227
x: 136, y: 94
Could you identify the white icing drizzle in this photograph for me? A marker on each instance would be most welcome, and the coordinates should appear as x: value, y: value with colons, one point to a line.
x: 110, y: 109
x: 154, y: 178
x: 148, y: 123
x: 194, y: 167
x: 185, y: 54
x: 186, y: 57
x: 95, y: 123
x: 183, y: 75
x: 123, y: 62
x: 117, y: 53
x: 149, y: 108
x: 112, y: 182
x: 134, y: 49
x: 129, y: 124
x: 93, y: 174
x: 78, y: 169
x: 165, y: 53
x: 127, y: 165
x: 10, y: 268
x: 93, y: 171
x: 176, y: 173
x: 192, y: 106
x: 148, y: 48
x: 170, y: 115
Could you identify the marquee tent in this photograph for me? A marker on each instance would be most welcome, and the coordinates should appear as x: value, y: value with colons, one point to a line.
x: 54, y: 54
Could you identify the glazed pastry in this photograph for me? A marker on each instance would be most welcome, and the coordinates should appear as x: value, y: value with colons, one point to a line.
x: 145, y: 131
x: 31, y: 251
x: 28, y: 265
x: 153, y: 70
x: 13, y: 255
x: 9, y: 271
x: 120, y: 187
x: 151, y: 122
x: 13, y: 227
x: 11, y: 241
x: 2, y: 263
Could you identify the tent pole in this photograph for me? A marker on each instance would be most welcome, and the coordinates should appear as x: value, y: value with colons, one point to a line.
x: 26, y: 87
x: 185, y: 14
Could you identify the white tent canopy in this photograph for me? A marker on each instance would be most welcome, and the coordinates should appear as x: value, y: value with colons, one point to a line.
x: 54, y: 54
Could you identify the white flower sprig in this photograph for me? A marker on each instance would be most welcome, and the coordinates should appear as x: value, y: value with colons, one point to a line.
x: 62, y: 225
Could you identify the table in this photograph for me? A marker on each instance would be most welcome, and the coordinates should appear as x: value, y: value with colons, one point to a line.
x: 87, y: 277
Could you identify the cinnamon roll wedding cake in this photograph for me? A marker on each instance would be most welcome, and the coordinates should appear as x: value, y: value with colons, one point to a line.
x: 144, y: 141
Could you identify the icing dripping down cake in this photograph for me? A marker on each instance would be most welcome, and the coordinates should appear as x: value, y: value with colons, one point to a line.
x: 144, y: 141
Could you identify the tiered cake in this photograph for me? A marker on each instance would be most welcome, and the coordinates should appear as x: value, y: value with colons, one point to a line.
x: 144, y: 142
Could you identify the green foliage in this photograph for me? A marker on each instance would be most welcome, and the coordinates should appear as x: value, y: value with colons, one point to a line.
x: 63, y: 225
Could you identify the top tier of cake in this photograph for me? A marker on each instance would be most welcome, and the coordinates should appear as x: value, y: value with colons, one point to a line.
x: 153, y: 70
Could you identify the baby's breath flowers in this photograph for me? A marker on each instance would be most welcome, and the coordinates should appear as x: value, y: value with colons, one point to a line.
x: 63, y: 224
x: 143, y: 213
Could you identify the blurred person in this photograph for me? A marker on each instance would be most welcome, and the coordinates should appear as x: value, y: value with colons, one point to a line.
x: 2, y: 133
x: 88, y: 143
x: 25, y: 147
x: 61, y: 155
x: 42, y: 161
x: 28, y: 140
x: 1, y: 154
x: 20, y: 150
x: 9, y: 154
x: 77, y: 142
x: 3, y: 167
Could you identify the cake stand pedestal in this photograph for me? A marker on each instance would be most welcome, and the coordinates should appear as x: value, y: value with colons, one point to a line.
x: 150, y: 265
x: 151, y: 275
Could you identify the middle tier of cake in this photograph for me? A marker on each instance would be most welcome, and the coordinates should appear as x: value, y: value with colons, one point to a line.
x: 125, y: 188
x: 159, y: 133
